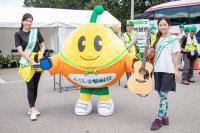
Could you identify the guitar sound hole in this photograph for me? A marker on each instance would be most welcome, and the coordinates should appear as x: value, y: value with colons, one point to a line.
x: 142, y: 71
x: 146, y: 75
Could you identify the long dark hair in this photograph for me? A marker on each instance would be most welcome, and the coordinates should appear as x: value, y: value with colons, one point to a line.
x: 159, y: 34
x: 24, y: 18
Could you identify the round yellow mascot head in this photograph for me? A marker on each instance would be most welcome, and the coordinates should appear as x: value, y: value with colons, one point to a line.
x: 93, y: 44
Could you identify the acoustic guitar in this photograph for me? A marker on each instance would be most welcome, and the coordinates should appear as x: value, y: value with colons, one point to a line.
x: 140, y: 81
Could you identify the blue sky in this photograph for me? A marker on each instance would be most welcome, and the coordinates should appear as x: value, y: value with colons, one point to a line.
x: 11, y: 3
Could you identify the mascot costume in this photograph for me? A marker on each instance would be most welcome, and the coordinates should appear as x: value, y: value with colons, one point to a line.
x: 92, y: 58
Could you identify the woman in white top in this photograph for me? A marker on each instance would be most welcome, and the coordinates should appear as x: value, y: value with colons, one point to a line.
x: 165, y: 68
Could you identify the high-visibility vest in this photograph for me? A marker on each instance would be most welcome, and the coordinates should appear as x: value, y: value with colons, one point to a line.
x: 127, y: 40
x: 191, y: 47
x: 153, y: 38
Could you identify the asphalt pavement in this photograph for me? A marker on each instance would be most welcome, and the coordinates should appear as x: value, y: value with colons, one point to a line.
x: 133, y: 114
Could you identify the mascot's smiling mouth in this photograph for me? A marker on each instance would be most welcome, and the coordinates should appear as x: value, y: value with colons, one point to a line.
x: 90, y: 59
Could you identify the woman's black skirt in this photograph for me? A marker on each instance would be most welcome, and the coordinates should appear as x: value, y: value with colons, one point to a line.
x: 164, y: 81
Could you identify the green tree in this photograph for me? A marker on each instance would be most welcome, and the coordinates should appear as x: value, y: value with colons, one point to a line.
x: 121, y: 9
x: 63, y: 4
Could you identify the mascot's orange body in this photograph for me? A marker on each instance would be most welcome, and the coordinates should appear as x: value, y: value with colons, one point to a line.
x: 118, y: 69
x: 92, y: 59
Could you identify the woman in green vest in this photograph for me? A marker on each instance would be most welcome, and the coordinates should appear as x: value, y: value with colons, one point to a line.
x: 130, y: 37
x: 181, y: 34
x: 189, y: 56
x: 153, y: 29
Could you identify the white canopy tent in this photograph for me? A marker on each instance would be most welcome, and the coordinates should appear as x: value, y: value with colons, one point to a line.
x: 54, y: 24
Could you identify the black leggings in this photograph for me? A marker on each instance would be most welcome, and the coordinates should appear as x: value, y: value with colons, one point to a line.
x: 32, y: 87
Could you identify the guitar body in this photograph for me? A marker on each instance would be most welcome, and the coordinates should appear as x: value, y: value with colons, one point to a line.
x: 138, y: 83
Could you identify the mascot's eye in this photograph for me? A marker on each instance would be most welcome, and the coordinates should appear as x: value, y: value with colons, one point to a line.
x: 81, y: 46
x: 97, y: 43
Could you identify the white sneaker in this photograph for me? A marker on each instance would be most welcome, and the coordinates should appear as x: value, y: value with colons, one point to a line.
x: 105, y: 108
x: 33, y: 116
x: 83, y: 107
x: 35, y: 110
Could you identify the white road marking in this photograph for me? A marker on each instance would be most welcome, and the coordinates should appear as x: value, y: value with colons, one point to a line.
x: 2, y: 81
x: 18, y: 81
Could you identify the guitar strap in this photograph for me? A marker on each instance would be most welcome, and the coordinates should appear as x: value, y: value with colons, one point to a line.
x: 138, y: 54
x: 137, y: 49
x: 30, y: 46
x: 165, y: 42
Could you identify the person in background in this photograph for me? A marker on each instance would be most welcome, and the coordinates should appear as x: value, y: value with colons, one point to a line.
x: 180, y: 56
x: 189, y: 50
x: 182, y: 33
x: 130, y: 38
x: 165, y: 69
x: 30, y: 45
x: 184, y: 52
x: 153, y: 32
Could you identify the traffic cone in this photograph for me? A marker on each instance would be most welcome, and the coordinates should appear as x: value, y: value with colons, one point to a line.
x: 198, y: 62
x: 196, y: 67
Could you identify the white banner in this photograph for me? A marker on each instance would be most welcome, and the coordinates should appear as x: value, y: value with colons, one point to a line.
x: 92, y: 80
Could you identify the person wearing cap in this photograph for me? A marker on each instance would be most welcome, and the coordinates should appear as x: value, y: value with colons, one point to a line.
x: 183, y: 41
x: 130, y: 37
x: 182, y: 29
x: 153, y: 29
x: 189, y: 43
x: 184, y: 52
x: 180, y: 56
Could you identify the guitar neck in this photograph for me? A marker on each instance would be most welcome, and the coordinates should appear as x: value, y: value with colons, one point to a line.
x: 144, y: 57
x: 146, y: 50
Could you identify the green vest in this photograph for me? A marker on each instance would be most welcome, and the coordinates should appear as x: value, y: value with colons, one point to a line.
x: 190, y: 47
x: 153, y: 38
x: 127, y: 40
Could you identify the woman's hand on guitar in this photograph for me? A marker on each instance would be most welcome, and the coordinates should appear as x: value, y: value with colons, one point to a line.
x: 147, y: 45
x: 151, y: 53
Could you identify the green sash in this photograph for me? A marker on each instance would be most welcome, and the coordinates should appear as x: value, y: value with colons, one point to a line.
x: 25, y: 70
x: 29, y: 48
x: 165, y: 42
